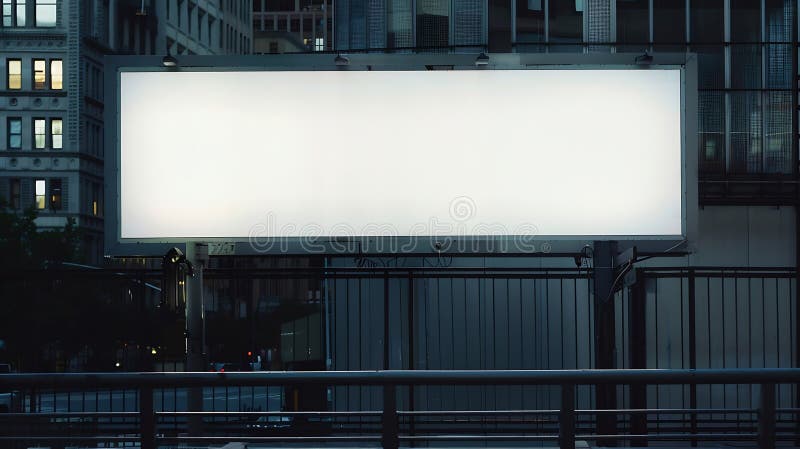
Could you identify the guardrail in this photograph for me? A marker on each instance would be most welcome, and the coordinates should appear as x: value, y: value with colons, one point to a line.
x: 147, y: 426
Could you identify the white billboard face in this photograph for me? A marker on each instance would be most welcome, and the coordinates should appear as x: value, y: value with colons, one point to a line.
x: 238, y: 154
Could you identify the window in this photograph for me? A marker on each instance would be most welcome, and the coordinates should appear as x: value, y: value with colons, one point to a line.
x: 95, y: 199
x: 56, y: 74
x: 633, y: 26
x: 39, y: 198
x: 319, y: 44
x: 669, y: 24
x: 39, y: 73
x: 707, y: 21
x: 39, y: 133
x: 433, y: 24
x: 14, y: 133
x: 46, y: 13
x: 530, y: 21
x: 566, y: 20
x: 55, y: 194
x: 13, y: 13
x: 56, y: 133
x: 14, y: 190
x: 273, y: 47
x: 14, y: 68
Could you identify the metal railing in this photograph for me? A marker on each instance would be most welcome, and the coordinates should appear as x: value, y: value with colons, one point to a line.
x: 391, y: 427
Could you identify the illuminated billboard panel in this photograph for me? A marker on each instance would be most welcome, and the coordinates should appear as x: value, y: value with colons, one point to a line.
x: 243, y: 154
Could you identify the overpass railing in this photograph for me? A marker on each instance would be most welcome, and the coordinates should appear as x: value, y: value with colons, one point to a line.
x: 765, y: 426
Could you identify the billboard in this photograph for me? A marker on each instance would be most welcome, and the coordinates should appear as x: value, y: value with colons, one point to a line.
x: 242, y: 154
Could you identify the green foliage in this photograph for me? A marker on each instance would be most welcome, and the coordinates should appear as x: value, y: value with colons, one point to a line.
x: 23, y: 245
x: 41, y: 312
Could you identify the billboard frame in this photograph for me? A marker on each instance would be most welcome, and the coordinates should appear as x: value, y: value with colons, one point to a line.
x: 477, y: 245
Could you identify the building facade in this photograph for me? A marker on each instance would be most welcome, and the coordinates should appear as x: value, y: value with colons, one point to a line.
x: 744, y: 48
x: 205, y: 27
x: 51, y: 98
x: 292, y: 26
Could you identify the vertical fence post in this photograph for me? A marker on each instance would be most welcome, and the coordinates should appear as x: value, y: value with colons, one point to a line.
x: 386, y: 321
x: 411, y: 365
x: 692, y: 353
x: 390, y: 438
x: 566, y: 417
x: 147, y: 419
x: 766, y: 417
x: 637, y: 331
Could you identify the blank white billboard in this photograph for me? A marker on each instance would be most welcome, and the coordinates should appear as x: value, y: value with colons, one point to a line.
x: 238, y: 154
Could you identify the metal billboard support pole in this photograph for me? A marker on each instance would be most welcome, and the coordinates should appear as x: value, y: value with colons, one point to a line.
x: 197, y: 256
x: 605, y: 253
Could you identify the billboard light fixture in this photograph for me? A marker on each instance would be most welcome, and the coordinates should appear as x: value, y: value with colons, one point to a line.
x: 644, y: 59
x: 169, y: 61
x: 341, y: 60
x: 482, y: 59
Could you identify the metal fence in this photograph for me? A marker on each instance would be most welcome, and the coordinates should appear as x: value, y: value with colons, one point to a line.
x: 765, y: 424
x: 379, y: 317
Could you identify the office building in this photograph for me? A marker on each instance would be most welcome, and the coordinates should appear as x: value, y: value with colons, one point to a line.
x: 51, y: 97
x: 292, y: 26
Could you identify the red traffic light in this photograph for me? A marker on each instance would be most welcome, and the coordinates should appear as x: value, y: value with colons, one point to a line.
x: 249, y: 353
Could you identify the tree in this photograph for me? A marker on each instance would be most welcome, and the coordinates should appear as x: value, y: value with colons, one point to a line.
x: 33, y: 308
x: 24, y: 246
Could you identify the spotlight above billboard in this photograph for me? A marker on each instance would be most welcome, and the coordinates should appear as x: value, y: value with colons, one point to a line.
x: 304, y: 153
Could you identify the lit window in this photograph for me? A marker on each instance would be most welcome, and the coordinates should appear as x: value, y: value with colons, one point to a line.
x: 13, y: 13
x: 56, y: 133
x: 95, y: 199
x: 15, y: 189
x: 14, y: 73
x: 46, y: 13
x: 39, y: 73
x: 40, y: 194
x: 39, y: 133
x: 55, y: 194
x: 56, y: 74
x: 14, y: 133
x: 319, y: 44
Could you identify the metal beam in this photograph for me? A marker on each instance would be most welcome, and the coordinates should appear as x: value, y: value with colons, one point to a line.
x: 605, y: 253
x: 727, y: 376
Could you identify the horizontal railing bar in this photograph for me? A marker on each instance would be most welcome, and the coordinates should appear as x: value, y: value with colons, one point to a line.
x: 401, y: 377
x: 719, y: 275
x: 474, y: 412
x: 705, y: 436
x: 672, y: 410
x: 673, y: 436
x: 223, y: 413
x: 68, y: 414
x: 68, y: 438
x: 270, y: 438
x: 582, y: 411
x: 479, y: 437
x: 379, y: 271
